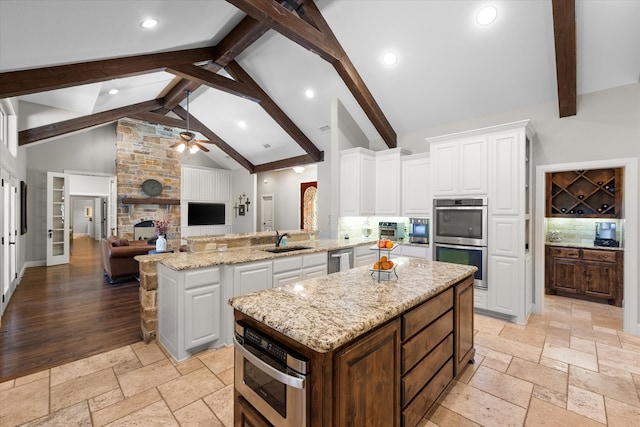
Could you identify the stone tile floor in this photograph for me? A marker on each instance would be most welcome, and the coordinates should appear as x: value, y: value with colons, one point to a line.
x: 571, y: 366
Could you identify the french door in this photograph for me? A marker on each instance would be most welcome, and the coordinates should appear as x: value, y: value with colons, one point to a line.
x: 58, y: 221
x: 9, y: 237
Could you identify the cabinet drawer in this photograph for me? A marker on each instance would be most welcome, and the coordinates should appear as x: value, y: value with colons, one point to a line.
x: 201, y: 277
x: 314, y: 259
x: 413, y: 413
x: 426, y: 313
x: 566, y: 252
x: 413, y: 382
x: 420, y: 345
x: 596, y: 255
x: 287, y: 264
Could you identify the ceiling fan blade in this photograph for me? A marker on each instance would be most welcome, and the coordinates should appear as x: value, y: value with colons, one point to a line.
x: 176, y: 144
x: 204, y: 141
x: 203, y: 148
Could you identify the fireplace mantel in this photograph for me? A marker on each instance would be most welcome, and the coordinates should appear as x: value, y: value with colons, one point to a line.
x: 149, y: 201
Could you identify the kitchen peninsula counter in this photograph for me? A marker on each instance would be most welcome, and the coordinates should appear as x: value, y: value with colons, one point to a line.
x: 379, y: 353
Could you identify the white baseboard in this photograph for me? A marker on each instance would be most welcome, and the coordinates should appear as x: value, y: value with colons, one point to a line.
x: 28, y: 264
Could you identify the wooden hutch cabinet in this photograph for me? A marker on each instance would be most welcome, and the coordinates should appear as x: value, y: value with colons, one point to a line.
x: 594, y: 274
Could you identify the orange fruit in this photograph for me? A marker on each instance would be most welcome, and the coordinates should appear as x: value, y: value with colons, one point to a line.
x: 383, y: 258
x: 376, y: 266
x: 390, y: 263
x: 389, y: 245
x: 385, y: 265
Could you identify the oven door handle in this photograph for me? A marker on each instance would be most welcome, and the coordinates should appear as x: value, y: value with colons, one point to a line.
x: 289, y: 380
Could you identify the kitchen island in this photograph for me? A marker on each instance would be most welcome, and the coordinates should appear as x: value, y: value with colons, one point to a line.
x: 379, y: 352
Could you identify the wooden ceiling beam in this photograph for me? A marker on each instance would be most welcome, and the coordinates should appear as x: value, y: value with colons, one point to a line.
x: 313, y: 33
x: 564, y: 32
x: 271, y: 108
x: 17, y: 83
x: 287, y: 23
x: 216, y: 81
x: 198, y: 126
x: 160, y: 119
x: 60, y: 128
x: 287, y: 163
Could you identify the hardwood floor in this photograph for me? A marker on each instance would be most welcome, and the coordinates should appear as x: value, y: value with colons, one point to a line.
x: 64, y: 313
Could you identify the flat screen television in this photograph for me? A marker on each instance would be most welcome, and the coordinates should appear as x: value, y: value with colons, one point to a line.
x: 206, y: 214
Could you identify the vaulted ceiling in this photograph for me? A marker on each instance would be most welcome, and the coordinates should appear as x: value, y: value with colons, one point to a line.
x: 248, y: 64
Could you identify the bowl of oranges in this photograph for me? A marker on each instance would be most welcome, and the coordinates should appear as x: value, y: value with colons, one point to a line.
x: 383, y: 269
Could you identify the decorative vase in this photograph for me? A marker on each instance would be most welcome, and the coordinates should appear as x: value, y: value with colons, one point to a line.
x: 161, y: 243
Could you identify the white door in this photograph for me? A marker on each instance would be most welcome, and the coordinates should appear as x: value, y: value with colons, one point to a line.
x: 8, y: 236
x: 267, y: 212
x: 112, y: 203
x: 58, y: 224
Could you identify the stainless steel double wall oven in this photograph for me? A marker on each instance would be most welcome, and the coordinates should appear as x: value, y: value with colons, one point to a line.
x: 460, y: 234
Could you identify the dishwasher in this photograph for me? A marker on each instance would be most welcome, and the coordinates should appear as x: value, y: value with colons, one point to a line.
x: 333, y: 259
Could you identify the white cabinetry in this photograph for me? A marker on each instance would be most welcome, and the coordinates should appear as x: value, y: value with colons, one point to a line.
x: 362, y: 256
x: 459, y: 166
x: 189, y: 312
x: 416, y: 188
x: 509, y: 150
x: 388, y: 182
x: 251, y: 277
x: 493, y: 161
x: 357, y: 178
x: 293, y: 269
x: 416, y: 251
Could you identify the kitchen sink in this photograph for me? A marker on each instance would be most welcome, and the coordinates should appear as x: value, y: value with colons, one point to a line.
x: 286, y: 249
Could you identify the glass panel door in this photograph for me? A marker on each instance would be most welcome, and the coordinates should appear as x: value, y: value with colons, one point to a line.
x: 57, y: 218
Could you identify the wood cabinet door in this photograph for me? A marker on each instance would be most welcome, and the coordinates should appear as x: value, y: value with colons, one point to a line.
x: 600, y: 279
x: 367, y: 380
x: 566, y: 275
x: 463, y: 326
x: 246, y: 416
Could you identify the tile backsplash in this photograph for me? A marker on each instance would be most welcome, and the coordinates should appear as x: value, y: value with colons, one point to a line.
x: 577, y: 230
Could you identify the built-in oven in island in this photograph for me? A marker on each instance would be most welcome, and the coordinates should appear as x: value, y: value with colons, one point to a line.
x: 460, y: 234
x: 271, y: 378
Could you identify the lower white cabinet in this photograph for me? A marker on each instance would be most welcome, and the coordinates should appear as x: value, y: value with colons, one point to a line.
x: 252, y: 277
x: 189, y: 310
x: 362, y: 255
x: 293, y: 269
x: 416, y: 251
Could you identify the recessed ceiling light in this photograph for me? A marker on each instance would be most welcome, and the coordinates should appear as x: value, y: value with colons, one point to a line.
x: 242, y: 124
x: 149, y: 23
x: 390, y: 58
x: 487, y: 15
x: 113, y: 91
x: 309, y: 93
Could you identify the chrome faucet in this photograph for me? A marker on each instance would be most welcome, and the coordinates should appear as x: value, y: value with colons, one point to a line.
x: 279, y: 238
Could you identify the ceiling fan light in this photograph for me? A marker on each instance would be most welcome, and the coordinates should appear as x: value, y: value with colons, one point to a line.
x: 187, y: 136
x: 180, y: 148
x: 193, y: 149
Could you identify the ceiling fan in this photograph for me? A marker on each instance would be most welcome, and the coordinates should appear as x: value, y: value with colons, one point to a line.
x: 188, y: 141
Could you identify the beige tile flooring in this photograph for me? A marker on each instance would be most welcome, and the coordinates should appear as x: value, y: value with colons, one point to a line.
x: 571, y: 366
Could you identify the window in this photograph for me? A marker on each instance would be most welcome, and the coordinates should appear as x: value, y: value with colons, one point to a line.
x: 8, y: 126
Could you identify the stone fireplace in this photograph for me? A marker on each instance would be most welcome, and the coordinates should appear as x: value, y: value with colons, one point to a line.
x: 142, y: 153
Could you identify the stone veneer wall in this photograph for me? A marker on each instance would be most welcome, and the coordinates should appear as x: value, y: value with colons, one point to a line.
x: 142, y: 152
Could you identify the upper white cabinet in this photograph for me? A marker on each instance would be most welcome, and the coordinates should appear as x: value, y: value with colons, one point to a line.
x: 388, y: 182
x: 205, y: 185
x: 458, y: 166
x: 357, y: 182
x: 416, y: 188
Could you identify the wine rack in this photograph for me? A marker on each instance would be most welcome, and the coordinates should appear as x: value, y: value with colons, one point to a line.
x: 594, y: 193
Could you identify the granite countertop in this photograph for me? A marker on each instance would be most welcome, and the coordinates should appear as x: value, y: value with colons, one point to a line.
x: 190, y: 260
x: 582, y: 246
x: 326, y: 312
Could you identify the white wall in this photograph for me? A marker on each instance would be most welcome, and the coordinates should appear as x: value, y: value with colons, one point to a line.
x: 242, y: 182
x: 285, y: 187
x: 80, y: 223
